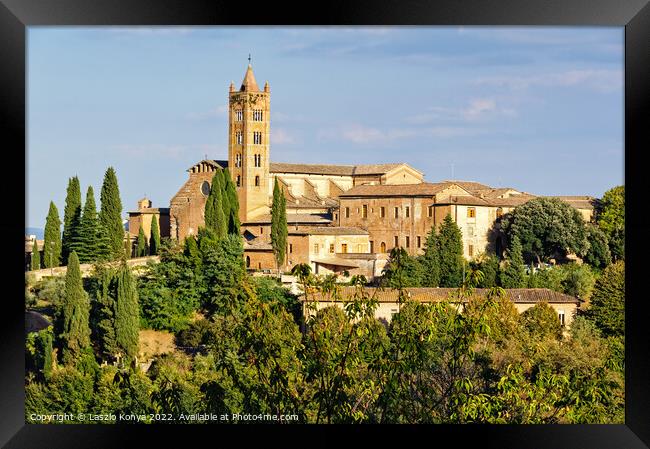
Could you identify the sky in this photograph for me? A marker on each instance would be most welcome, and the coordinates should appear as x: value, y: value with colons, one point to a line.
x: 539, y: 109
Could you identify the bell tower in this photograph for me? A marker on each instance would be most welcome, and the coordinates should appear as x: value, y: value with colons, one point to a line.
x: 248, y: 145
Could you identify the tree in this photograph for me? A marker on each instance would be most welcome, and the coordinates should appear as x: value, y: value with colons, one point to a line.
x: 71, y: 217
x: 488, y: 264
x: 75, y: 315
x: 514, y: 274
x: 279, y: 229
x: 215, y: 218
x: 52, y: 243
x: 111, y: 213
x: 430, y: 260
x: 154, y: 240
x: 598, y: 254
x: 233, y: 204
x: 450, y: 241
x: 541, y: 322
x: 610, y: 216
x: 86, y: 241
x: 402, y: 270
x: 127, y: 313
x: 142, y: 244
x: 607, y: 309
x: 36, y: 257
x: 546, y: 228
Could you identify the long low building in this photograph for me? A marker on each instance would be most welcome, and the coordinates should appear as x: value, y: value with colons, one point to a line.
x: 523, y: 299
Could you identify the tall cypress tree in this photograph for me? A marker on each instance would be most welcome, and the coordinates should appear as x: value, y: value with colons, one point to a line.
x: 430, y: 260
x: 71, y: 217
x: 36, y: 257
x: 142, y: 244
x: 154, y: 240
x: 127, y: 313
x: 279, y: 229
x: 85, y: 242
x: 52, y: 244
x: 75, y: 313
x: 215, y: 218
x: 111, y: 213
x: 233, y: 204
x: 514, y: 273
x: 451, y: 253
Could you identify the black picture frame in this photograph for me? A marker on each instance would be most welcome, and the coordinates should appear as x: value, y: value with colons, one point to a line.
x: 634, y: 15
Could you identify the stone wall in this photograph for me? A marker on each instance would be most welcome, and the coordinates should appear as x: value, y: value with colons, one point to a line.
x: 86, y: 268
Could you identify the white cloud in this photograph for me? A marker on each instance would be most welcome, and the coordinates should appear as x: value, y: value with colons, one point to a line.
x: 281, y: 136
x: 600, y: 80
x: 477, y: 108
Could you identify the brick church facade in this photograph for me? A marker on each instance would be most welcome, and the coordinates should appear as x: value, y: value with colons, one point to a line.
x: 340, y: 217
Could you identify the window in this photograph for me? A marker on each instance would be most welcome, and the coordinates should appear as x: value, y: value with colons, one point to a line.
x: 290, y: 248
x: 239, y: 115
x: 499, y: 212
x: 248, y: 261
x: 430, y: 211
x: 240, y: 137
x: 238, y: 180
x: 344, y: 248
x: 238, y: 160
x: 257, y: 138
x: 560, y: 315
x: 471, y: 212
x: 359, y: 250
x: 470, y: 250
x: 258, y: 115
x: 259, y: 265
x: 408, y: 241
x: 258, y: 160
x: 261, y: 230
x: 331, y: 248
x: 382, y: 212
x: 205, y: 188
x: 407, y: 212
x: 372, y: 246
x: 315, y: 247
x: 257, y: 181
x: 382, y: 247
x: 347, y: 212
x: 396, y: 241
x: 419, y: 240
x: 397, y: 212
x: 364, y: 211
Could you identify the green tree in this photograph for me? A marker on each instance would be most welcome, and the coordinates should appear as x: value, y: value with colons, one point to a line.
x: 610, y: 216
x: 75, y: 315
x: 541, y: 321
x: 546, y: 228
x: 279, y: 229
x: 402, y: 270
x: 127, y: 312
x: 223, y: 272
x: 488, y: 264
x: 71, y: 217
x: 430, y: 260
x: 232, y: 216
x: 111, y: 213
x: 154, y: 240
x: 598, y: 254
x: 450, y: 240
x: 607, y: 309
x: 86, y: 241
x: 215, y: 218
x: 36, y: 257
x: 514, y: 273
x: 52, y: 243
x: 142, y: 244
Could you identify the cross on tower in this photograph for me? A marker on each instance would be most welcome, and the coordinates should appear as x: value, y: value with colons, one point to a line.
x: 249, y: 59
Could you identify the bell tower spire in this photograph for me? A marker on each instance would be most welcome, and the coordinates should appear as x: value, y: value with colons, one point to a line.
x: 248, y: 145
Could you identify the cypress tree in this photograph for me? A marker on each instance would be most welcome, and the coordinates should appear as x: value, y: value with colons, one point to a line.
x: 36, y: 257
x: 279, y: 229
x: 154, y: 240
x: 514, y: 274
x: 430, y: 260
x: 127, y: 313
x: 450, y: 241
x: 71, y: 217
x: 214, y: 206
x: 85, y: 242
x: 233, y: 203
x: 142, y: 244
x: 52, y: 244
x: 103, y: 243
x: 111, y: 213
x: 75, y: 313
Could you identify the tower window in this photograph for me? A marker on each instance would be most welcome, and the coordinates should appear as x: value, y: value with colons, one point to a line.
x: 257, y: 181
x: 258, y: 160
x: 396, y: 214
x: 238, y: 181
x: 382, y: 212
x: 257, y: 138
x: 407, y: 212
x: 240, y: 137
x: 239, y: 115
x: 258, y: 115
x: 238, y: 160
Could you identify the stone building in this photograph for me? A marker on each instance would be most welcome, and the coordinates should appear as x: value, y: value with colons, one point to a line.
x: 355, y: 213
x: 142, y: 218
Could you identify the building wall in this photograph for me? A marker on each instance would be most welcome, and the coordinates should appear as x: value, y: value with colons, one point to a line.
x: 322, y: 183
x: 401, y: 175
x: 187, y: 207
x: 144, y: 219
x: 259, y: 260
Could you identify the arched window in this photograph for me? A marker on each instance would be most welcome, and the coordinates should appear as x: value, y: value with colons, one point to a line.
x: 248, y: 261
x: 257, y: 181
x: 382, y: 247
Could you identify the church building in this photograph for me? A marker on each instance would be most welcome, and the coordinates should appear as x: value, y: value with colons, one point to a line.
x: 340, y: 217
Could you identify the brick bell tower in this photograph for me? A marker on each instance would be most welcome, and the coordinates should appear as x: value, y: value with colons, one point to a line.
x: 248, y: 145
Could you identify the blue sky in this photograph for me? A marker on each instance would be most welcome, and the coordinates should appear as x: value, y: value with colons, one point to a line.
x: 539, y: 109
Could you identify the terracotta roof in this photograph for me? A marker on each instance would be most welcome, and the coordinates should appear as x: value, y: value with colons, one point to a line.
x: 150, y: 210
x: 257, y: 246
x: 465, y: 200
x: 470, y: 186
x: 336, y: 261
x: 422, y: 189
x: 249, y: 84
x: 331, y: 169
x: 579, y: 202
x: 329, y: 230
x: 295, y: 218
x: 517, y: 295
x: 213, y: 162
x: 310, y: 203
